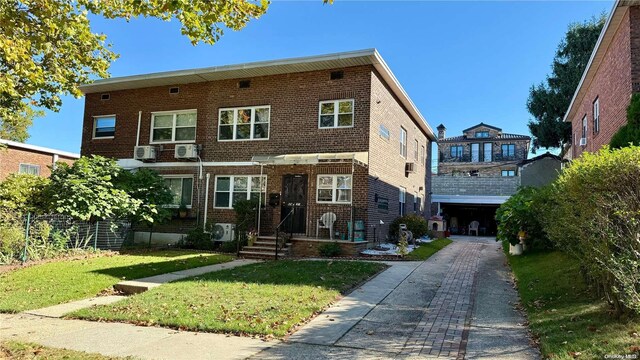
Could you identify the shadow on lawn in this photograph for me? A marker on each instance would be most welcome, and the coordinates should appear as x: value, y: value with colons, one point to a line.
x: 142, y: 270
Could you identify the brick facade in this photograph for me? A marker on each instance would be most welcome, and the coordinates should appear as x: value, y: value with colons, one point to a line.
x: 12, y: 156
x: 294, y: 106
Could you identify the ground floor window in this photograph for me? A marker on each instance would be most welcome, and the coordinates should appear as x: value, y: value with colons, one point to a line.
x: 233, y: 188
x: 29, y: 169
x: 334, y: 189
x: 508, y: 173
x: 181, y: 188
x: 403, y: 200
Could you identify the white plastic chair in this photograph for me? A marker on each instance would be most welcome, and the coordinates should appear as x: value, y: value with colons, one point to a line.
x: 326, y: 221
x: 474, y: 227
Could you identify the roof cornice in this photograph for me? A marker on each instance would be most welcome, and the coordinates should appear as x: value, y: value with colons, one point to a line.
x: 41, y: 149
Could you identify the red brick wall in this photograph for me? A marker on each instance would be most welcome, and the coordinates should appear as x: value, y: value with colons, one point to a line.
x: 611, y: 85
x: 294, y: 100
x: 11, y: 158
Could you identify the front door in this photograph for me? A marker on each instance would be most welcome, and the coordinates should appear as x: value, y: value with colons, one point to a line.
x: 294, y: 198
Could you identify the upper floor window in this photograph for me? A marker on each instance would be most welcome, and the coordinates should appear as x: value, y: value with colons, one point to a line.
x: 482, y: 134
x: 475, y: 152
x: 173, y: 126
x: 231, y: 189
x: 415, y: 150
x: 508, y: 150
x: 336, y: 114
x: 29, y: 169
x: 182, y: 189
x: 244, y: 123
x: 596, y: 115
x: 488, y: 150
x: 508, y: 173
x: 584, y: 127
x: 423, y: 153
x: 104, y: 127
x: 334, y: 189
x: 456, y: 151
x: 403, y: 142
x: 383, y: 131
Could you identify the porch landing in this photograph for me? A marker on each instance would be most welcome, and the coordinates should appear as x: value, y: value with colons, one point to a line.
x: 299, y: 246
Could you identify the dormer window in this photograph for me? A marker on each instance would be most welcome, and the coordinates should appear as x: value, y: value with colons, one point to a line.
x: 482, y: 134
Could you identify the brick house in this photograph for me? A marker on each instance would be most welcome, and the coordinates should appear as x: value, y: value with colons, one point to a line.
x: 477, y: 171
x: 598, y: 107
x: 305, y: 137
x: 16, y: 157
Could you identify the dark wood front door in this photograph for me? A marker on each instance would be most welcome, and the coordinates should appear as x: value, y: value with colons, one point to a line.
x: 294, y: 198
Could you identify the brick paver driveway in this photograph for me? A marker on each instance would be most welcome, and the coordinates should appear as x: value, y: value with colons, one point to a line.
x: 458, y: 304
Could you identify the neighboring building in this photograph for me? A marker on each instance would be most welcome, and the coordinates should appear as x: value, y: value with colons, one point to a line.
x: 477, y: 171
x: 333, y: 133
x: 598, y: 107
x: 540, y: 170
x: 22, y: 158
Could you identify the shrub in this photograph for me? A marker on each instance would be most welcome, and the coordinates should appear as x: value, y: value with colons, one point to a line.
x: 229, y: 247
x: 630, y: 132
x: 331, y: 249
x: 11, y: 237
x: 415, y: 223
x: 198, y: 239
x: 23, y: 193
x: 596, y: 218
x: 524, y: 211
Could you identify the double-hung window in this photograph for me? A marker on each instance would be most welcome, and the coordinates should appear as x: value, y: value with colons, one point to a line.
x: 403, y: 200
x: 456, y: 151
x: 403, y: 142
x: 173, y: 126
x: 383, y: 131
x: 29, y: 169
x: 508, y: 151
x: 596, y: 115
x: 584, y: 127
x: 335, y: 189
x: 336, y: 114
x: 182, y: 189
x: 104, y: 127
x: 231, y: 189
x: 244, y: 123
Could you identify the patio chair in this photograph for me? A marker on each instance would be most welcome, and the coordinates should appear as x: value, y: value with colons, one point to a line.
x: 474, y: 227
x: 326, y: 221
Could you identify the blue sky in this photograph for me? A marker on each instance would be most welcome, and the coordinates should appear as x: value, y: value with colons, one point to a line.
x: 460, y: 62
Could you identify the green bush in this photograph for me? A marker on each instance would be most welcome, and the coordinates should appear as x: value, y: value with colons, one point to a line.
x: 415, y: 223
x: 630, y: 132
x: 331, y: 249
x: 11, y: 237
x: 23, y: 193
x: 596, y: 218
x: 229, y: 247
x: 198, y: 239
x: 525, y: 211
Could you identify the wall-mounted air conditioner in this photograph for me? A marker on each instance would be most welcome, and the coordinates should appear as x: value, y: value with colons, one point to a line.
x: 583, y: 141
x: 410, y: 167
x: 223, y: 232
x: 144, y: 152
x: 186, y: 151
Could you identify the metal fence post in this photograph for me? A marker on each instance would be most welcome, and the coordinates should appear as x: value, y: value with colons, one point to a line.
x: 26, y: 238
x: 95, y: 240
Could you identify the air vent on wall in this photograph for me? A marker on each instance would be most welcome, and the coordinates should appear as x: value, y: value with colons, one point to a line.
x: 105, y: 97
x: 243, y: 84
x: 336, y: 75
x: 174, y: 90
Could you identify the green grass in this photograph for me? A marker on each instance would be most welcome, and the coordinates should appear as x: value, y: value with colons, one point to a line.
x: 426, y: 250
x: 266, y: 299
x: 28, y: 351
x: 563, y: 312
x: 66, y: 280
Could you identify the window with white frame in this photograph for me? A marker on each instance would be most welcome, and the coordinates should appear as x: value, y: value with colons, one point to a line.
x: 508, y: 173
x: 173, y: 126
x: 415, y: 150
x: 403, y: 200
x: 383, y: 131
x: 231, y: 189
x: 29, y: 169
x: 596, y: 115
x: 335, y: 189
x: 104, y: 127
x: 182, y: 189
x: 336, y: 114
x: 403, y: 142
x: 584, y: 127
x: 244, y: 123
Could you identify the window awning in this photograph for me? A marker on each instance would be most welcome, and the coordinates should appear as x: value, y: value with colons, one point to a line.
x: 469, y: 199
x: 361, y: 158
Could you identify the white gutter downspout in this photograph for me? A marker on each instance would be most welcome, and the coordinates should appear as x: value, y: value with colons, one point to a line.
x: 260, y: 197
x: 138, y: 133
x: 353, y: 226
x: 206, y: 201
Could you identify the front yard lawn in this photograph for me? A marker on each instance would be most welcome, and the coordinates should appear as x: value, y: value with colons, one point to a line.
x: 426, y: 250
x: 66, y: 280
x: 566, y: 316
x: 268, y: 298
x: 27, y: 351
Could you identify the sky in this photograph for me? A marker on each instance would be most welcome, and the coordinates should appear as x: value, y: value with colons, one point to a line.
x: 461, y: 63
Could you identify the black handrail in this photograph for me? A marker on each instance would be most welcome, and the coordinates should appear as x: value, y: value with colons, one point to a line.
x: 278, y: 230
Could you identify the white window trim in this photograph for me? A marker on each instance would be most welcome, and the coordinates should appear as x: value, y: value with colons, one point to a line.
x: 231, y: 179
x: 403, y: 145
x: 173, y: 127
x: 502, y: 173
x: 416, y: 150
x: 179, y: 176
x: 334, y: 189
x: 95, y: 121
x: 252, y: 123
x: 336, y: 112
x: 596, y: 115
x: 28, y: 164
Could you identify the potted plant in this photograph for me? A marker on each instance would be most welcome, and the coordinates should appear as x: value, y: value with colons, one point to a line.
x: 182, y: 211
x: 252, y: 236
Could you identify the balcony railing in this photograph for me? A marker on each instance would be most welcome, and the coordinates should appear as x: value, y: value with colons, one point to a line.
x: 466, y: 158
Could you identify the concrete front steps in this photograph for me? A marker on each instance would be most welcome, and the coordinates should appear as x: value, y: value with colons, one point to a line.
x: 264, y: 248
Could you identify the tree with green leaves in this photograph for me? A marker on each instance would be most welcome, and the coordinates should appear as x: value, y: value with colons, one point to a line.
x: 21, y: 193
x: 47, y: 48
x: 549, y: 101
x: 629, y: 133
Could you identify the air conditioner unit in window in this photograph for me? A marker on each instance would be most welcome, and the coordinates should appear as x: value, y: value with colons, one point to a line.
x: 223, y: 232
x: 583, y: 141
x: 410, y: 167
x: 186, y: 151
x: 144, y: 152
